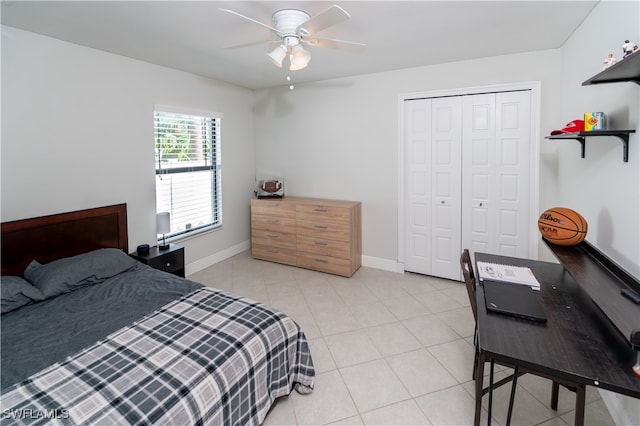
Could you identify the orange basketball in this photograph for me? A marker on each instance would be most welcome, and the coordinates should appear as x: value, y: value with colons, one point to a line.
x: 562, y: 226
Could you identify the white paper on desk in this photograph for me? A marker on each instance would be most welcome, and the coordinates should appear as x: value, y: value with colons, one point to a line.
x: 507, y: 273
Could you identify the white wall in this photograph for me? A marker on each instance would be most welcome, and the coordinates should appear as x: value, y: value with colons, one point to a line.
x: 77, y: 132
x: 339, y: 138
x: 601, y: 186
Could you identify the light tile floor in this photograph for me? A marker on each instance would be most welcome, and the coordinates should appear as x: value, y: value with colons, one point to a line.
x: 388, y: 348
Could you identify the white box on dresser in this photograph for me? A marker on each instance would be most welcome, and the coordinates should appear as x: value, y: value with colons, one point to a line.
x: 320, y: 234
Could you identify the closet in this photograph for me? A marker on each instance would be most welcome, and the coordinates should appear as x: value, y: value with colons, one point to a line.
x: 467, y: 178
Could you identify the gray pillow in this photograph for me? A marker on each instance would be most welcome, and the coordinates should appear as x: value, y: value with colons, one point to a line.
x: 17, y: 292
x: 65, y: 275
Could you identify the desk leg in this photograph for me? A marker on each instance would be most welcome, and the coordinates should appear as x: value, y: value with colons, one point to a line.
x: 491, y: 368
x: 513, y: 394
x: 555, y: 389
x: 479, y: 387
x: 580, y: 397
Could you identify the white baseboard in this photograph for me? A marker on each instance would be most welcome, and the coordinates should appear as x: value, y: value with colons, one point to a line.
x: 384, y: 264
x: 368, y: 261
x: 203, y: 263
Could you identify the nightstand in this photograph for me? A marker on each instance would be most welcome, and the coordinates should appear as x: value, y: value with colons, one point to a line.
x: 170, y: 260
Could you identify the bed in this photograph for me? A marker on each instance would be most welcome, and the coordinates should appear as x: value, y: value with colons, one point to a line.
x: 91, y: 336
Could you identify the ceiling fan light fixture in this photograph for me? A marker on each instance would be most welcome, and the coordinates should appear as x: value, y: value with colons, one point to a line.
x: 294, y: 27
x: 299, y: 58
x: 293, y: 67
x: 276, y: 56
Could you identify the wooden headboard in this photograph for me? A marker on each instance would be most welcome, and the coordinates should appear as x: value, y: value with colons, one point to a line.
x: 53, y: 237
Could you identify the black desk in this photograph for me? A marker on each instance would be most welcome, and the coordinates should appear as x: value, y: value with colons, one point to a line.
x: 578, y: 346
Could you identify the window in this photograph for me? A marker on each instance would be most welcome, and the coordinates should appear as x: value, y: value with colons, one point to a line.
x: 188, y: 184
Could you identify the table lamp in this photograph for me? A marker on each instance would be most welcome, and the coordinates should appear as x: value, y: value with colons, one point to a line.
x: 163, y: 226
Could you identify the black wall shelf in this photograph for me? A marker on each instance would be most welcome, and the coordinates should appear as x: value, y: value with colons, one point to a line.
x: 581, y: 137
x: 627, y: 69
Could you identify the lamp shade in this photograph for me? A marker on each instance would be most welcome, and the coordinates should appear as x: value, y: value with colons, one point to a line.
x: 163, y: 223
x: 299, y: 58
x: 277, y: 55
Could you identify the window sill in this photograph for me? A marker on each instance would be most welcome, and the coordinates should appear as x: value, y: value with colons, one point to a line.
x: 190, y: 235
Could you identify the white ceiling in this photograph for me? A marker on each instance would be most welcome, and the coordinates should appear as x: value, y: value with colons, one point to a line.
x: 192, y: 35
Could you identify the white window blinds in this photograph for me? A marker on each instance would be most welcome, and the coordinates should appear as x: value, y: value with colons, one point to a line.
x: 188, y: 182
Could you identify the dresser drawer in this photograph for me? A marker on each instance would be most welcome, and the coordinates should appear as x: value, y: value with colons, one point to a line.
x: 328, y: 264
x: 324, y: 247
x: 318, y: 212
x: 273, y: 238
x: 324, y: 230
x: 274, y: 254
x: 273, y: 223
x: 273, y: 208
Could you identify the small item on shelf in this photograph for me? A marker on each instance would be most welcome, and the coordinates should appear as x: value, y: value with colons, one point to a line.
x: 631, y: 295
x: 610, y: 60
x: 593, y: 121
x: 571, y: 127
x: 628, y: 48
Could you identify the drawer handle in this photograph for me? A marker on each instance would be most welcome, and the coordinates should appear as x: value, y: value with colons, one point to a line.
x: 273, y: 205
x: 272, y: 250
x: 321, y: 226
x: 321, y: 243
x: 322, y: 260
x: 168, y: 264
x: 273, y: 220
x: 272, y: 235
x: 320, y: 209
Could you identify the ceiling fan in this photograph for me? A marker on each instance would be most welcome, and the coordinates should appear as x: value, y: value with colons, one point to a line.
x: 294, y: 28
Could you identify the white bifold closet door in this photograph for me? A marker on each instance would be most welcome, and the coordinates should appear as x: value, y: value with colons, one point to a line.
x: 466, y: 179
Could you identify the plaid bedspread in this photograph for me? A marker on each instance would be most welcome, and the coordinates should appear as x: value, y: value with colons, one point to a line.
x: 208, y: 358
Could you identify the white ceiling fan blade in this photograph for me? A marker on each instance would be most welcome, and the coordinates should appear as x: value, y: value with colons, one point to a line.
x: 331, y: 16
x: 251, y: 20
x: 335, y: 44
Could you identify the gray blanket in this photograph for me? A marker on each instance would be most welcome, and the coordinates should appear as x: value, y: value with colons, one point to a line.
x: 38, y: 335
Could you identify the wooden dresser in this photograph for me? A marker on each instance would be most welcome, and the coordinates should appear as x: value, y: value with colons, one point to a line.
x: 319, y: 234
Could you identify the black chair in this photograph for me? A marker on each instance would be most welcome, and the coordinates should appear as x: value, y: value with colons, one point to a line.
x: 470, y: 282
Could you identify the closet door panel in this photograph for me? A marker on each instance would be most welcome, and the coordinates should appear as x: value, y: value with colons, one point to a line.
x: 478, y: 165
x: 417, y: 163
x: 446, y: 145
x: 513, y: 137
